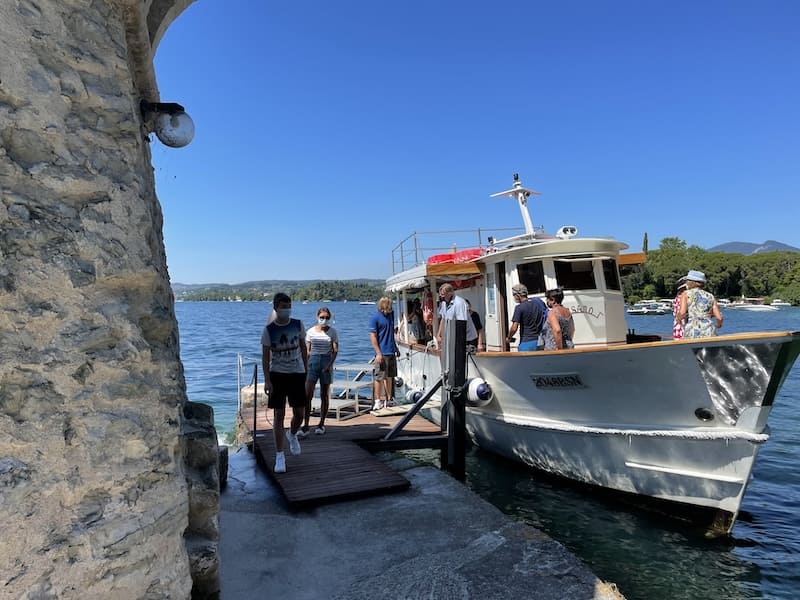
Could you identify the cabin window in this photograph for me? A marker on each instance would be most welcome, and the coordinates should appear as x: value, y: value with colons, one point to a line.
x: 611, y: 274
x: 575, y: 274
x: 532, y: 276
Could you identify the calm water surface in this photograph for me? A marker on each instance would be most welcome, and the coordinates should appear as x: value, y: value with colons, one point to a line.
x: 649, y: 557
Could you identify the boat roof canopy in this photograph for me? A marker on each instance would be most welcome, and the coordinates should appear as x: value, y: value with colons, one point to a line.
x: 630, y: 259
x: 419, y: 276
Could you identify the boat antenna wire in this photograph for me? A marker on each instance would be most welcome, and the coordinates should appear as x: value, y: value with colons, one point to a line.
x: 520, y: 194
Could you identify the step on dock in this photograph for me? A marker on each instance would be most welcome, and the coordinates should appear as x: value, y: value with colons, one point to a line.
x: 334, y: 466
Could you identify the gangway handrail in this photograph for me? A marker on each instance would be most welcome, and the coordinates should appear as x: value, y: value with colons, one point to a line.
x: 413, y: 411
x: 240, y: 360
x: 255, y: 403
x: 358, y: 377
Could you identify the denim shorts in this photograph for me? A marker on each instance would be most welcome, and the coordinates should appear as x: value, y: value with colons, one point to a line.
x: 316, y: 369
x: 528, y: 346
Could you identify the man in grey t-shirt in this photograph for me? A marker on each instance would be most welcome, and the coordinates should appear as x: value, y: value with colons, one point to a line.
x: 284, y: 358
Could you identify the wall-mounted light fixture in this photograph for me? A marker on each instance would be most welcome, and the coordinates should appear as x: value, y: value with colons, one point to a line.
x: 172, y: 125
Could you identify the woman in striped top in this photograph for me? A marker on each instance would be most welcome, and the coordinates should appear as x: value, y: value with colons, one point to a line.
x: 323, y: 346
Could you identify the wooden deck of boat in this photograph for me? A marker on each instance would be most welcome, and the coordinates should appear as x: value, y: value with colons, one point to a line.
x: 335, y: 466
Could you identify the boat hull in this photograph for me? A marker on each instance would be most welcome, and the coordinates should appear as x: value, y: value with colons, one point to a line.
x: 677, y: 421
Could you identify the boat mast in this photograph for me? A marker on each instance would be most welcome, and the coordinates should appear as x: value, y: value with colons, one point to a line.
x: 520, y: 194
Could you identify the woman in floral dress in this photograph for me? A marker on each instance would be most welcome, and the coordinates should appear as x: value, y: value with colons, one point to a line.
x: 699, y: 308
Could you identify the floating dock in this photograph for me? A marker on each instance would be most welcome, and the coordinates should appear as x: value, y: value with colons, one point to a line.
x: 338, y: 465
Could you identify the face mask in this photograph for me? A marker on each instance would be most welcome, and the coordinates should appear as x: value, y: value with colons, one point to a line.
x: 283, y: 313
x: 322, y: 320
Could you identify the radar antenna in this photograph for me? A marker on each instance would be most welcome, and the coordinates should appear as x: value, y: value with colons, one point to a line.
x: 520, y: 194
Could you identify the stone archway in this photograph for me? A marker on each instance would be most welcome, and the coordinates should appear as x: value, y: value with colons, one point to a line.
x: 93, y: 491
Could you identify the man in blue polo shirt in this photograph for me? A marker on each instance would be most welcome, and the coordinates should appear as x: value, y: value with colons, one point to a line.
x: 381, y: 336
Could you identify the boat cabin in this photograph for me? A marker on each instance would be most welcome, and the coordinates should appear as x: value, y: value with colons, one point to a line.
x: 587, y: 270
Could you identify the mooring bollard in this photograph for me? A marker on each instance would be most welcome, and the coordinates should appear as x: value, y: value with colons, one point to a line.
x: 455, y: 394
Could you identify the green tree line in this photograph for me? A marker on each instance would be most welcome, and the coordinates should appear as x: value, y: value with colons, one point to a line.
x: 728, y: 275
x: 356, y: 290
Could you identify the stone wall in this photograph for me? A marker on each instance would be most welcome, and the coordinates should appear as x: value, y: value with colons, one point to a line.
x: 93, y: 493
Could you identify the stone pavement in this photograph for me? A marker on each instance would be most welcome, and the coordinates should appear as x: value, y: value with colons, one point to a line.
x: 437, y: 540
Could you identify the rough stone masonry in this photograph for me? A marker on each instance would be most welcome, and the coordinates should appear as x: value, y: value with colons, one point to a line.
x: 99, y: 493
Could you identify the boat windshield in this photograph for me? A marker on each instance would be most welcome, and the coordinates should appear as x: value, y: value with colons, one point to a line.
x: 532, y: 276
x: 575, y: 275
x: 611, y: 274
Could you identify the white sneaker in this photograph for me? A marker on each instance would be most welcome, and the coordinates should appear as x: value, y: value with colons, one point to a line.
x: 378, y: 405
x: 302, y: 432
x: 320, y: 430
x: 294, y: 443
x: 280, y: 463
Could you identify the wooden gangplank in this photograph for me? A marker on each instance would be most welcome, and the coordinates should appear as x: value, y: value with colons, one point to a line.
x: 334, y: 466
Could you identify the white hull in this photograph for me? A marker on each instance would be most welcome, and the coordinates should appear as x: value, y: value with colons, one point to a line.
x: 678, y: 421
x: 626, y: 417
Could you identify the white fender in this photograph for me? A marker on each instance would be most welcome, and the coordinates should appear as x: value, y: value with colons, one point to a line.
x: 413, y: 395
x: 479, y: 393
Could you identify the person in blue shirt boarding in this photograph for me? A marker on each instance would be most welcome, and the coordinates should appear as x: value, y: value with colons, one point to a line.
x: 284, y: 358
x: 381, y: 336
x: 452, y: 307
x: 529, y: 316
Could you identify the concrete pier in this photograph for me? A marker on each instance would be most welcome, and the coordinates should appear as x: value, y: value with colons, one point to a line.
x: 435, y: 540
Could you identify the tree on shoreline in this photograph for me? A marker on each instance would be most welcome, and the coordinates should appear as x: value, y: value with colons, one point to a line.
x: 768, y: 274
x: 312, y: 291
x: 730, y: 275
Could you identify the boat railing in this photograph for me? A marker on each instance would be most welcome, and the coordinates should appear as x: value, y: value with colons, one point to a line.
x: 352, y: 378
x: 420, y: 246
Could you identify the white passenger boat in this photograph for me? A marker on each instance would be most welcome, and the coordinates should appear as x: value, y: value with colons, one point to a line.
x: 780, y: 303
x: 680, y: 422
x: 649, y: 308
x: 752, y: 305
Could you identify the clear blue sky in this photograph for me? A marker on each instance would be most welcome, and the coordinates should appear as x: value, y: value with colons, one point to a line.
x: 328, y: 131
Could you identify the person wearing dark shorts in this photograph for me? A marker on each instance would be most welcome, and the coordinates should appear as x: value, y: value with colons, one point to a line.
x: 385, y: 372
x: 381, y: 336
x: 284, y: 358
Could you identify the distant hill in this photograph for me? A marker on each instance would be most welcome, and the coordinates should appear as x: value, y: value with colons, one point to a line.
x: 750, y: 248
x: 267, y: 283
x: 307, y: 289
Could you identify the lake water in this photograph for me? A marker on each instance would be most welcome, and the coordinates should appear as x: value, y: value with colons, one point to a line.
x: 649, y: 557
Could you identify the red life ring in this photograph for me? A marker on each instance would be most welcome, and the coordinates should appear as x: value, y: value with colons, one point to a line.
x: 441, y: 259
x: 427, y: 307
x: 461, y: 284
x: 467, y: 255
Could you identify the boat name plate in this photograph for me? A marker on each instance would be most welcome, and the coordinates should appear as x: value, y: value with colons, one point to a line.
x: 557, y: 381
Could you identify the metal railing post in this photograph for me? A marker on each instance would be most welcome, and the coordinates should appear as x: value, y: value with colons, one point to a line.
x: 255, y: 404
